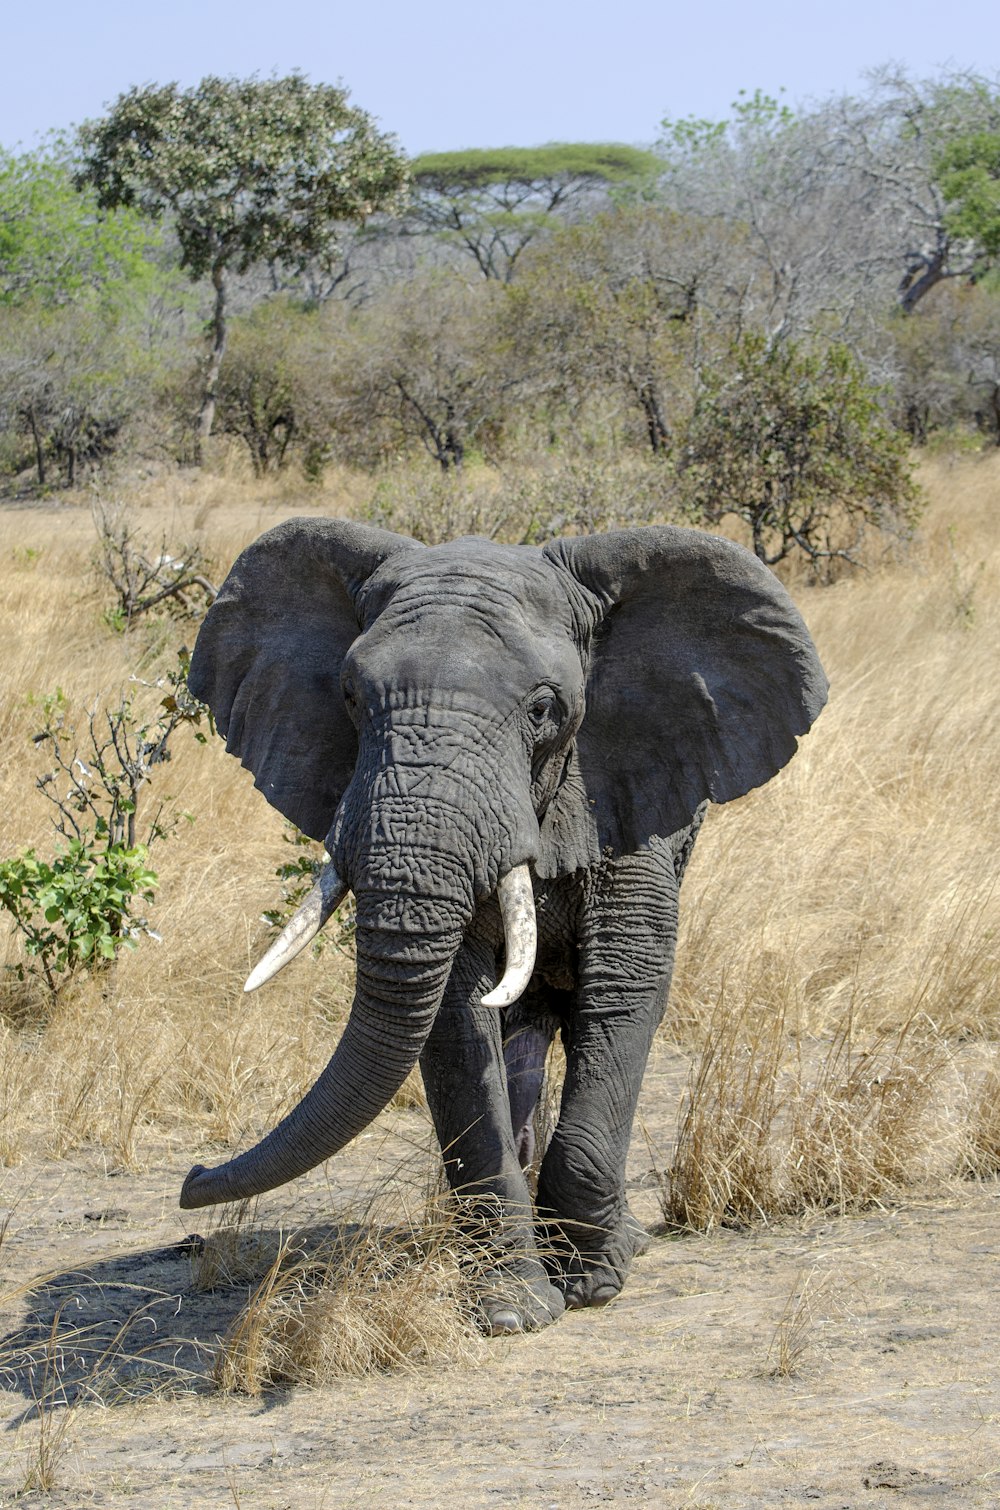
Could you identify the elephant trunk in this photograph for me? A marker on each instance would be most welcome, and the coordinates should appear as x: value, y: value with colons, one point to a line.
x: 394, y: 1008
x: 415, y: 892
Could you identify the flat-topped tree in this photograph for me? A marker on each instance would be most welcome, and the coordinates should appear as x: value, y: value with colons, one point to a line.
x: 248, y: 170
x: 492, y: 202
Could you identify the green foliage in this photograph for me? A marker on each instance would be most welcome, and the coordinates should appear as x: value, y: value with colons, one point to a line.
x: 56, y: 245
x: 796, y: 444
x: 297, y: 877
x: 572, y: 162
x: 969, y: 174
x: 76, y: 909
x: 249, y: 169
x: 758, y: 115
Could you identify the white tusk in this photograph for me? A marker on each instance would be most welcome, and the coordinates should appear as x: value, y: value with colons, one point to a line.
x: 323, y: 899
x: 517, y: 908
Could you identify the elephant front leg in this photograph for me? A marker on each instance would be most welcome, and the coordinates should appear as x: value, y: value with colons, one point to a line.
x: 627, y: 936
x: 463, y: 1069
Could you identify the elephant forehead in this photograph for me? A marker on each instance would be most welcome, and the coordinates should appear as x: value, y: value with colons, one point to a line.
x: 493, y: 657
x: 469, y: 616
x: 499, y: 585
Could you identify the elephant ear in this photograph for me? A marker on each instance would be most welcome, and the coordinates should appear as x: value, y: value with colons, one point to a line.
x: 702, y: 676
x: 268, y: 657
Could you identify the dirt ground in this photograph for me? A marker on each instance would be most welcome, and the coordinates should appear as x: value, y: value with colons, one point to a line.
x: 669, y: 1397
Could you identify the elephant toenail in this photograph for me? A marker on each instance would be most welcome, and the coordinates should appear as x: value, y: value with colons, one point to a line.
x: 502, y: 1323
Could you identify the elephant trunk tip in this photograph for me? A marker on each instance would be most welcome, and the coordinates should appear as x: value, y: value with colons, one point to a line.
x: 191, y: 1195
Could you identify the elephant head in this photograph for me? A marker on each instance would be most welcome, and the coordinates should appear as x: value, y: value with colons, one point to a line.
x: 451, y: 719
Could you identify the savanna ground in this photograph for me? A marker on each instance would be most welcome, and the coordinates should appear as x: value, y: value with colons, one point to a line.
x: 816, y: 1319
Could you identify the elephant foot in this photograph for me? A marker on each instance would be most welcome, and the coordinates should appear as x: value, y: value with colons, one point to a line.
x: 593, y: 1264
x: 513, y: 1302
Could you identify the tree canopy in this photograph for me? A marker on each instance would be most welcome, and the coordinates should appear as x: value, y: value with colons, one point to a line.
x: 248, y: 170
x: 55, y: 242
x: 492, y: 202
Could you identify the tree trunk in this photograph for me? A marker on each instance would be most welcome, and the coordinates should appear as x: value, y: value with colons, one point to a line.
x: 656, y: 425
x: 210, y: 389
x: 32, y: 419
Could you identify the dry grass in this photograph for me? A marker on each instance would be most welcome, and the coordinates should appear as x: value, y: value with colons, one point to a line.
x: 723, y: 1171
x: 982, y: 1130
x: 857, y: 888
x: 367, y: 1296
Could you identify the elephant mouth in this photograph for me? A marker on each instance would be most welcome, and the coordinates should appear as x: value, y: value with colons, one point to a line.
x: 517, y: 908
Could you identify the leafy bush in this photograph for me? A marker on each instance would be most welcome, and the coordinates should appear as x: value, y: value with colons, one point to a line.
x: 796, y: 445
x: 297, y: 877
x: 76, y: 909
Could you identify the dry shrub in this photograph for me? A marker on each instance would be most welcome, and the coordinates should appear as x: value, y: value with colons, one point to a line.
x: 237, y: 1252
x: 794, y: 1334
x: 981, y: 1159
x: 371, y: 1297
x: 756, y: 1141
x: 723, y: 1169
x: 861, y: 1129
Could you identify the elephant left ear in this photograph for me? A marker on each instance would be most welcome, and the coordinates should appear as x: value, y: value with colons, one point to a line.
x: 269, y: 653
x: 702, y: 677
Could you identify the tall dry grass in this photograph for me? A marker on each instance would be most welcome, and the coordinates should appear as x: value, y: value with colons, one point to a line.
x: 860, y: 884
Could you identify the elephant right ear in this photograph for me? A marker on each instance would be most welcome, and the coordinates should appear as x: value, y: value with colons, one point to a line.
x: 268, y: 657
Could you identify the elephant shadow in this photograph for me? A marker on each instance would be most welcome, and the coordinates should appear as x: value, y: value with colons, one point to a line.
x: 143, y: 1323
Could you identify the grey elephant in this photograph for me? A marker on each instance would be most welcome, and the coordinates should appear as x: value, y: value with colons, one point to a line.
x: 507, y: 751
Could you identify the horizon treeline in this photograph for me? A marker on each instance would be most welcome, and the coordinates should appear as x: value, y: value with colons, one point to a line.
x: 500, y: 305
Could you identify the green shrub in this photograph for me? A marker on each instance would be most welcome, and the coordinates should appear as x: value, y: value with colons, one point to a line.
x: 76, y: 909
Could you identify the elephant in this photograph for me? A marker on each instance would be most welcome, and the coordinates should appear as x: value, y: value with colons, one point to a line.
x: 507, y: 752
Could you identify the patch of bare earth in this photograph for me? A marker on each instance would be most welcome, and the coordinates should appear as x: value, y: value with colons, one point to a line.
x: 845, y: 1361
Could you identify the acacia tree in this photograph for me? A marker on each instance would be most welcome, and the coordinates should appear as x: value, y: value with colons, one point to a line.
x: 493, y: 202
x: 249, y: 170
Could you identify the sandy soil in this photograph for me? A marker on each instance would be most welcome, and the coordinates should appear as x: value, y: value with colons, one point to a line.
x: 668, y: 1397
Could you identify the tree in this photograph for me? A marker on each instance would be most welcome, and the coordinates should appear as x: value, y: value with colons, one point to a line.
x: 426, y: 364
x: 931, y: 163
x: 782, y: 182
x: 249, y: 170
x: 948, y: 362
x: 275, y: 390
x: 796, y: 445
x: 492, y: 203
x: 71, y: 378
x: 626, y: 301
x: 854, y: 205
x: 56, y: 246
x: 969, y: 172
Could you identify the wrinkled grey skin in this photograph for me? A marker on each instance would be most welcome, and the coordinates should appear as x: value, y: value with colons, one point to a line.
x: 440, y: 715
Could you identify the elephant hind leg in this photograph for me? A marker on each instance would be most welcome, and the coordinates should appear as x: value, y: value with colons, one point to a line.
x: 528, y: 1035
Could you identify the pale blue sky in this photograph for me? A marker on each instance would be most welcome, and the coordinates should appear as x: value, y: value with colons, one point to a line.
x: 467, y: 73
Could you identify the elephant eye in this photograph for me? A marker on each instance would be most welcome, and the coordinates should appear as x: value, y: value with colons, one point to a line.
x: 542, y: 709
